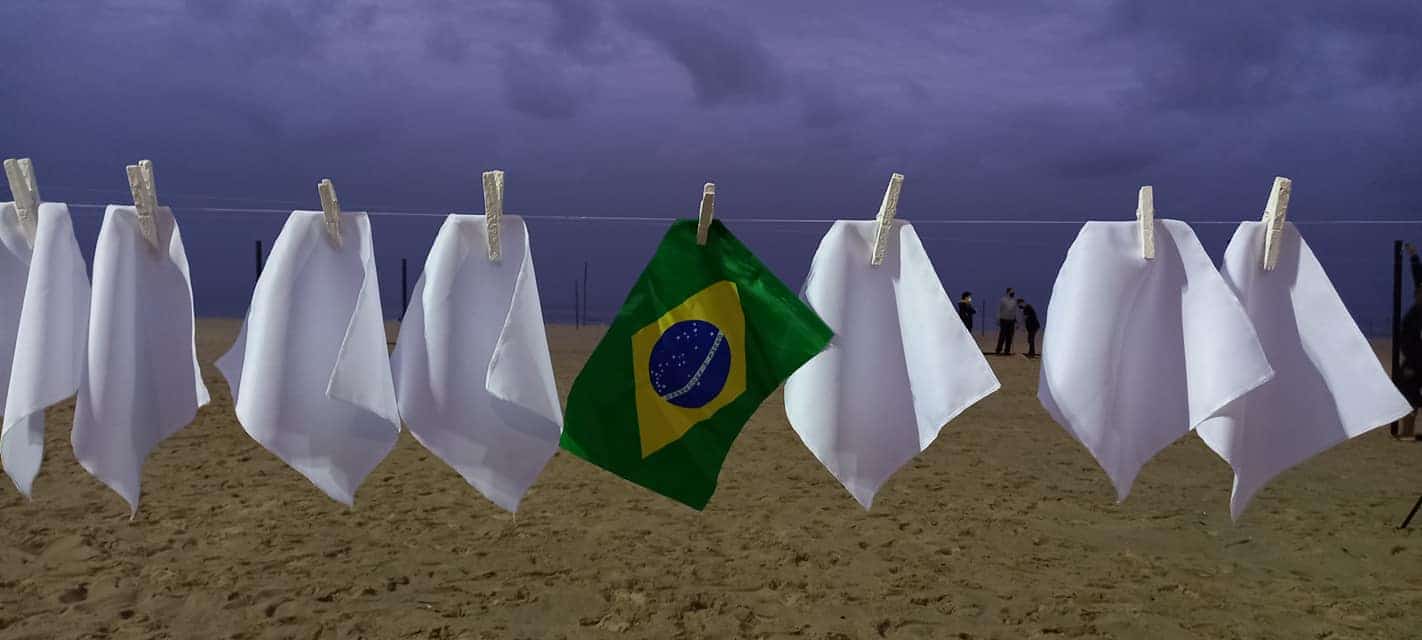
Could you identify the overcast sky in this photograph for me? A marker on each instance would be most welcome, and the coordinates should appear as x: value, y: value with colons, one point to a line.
x: 795, y: 109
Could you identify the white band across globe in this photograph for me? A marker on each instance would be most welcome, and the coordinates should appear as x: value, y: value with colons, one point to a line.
x: 689, y: 364
x: 700, y: 371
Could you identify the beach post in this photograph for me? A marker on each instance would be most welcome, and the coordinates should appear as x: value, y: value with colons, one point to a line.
x: 404, y: 288
x: 1408, y: 520
x: 259, y: 260
x: 1395, y: 427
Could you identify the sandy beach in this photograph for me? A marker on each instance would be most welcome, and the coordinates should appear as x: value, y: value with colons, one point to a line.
x: 1004, y: 528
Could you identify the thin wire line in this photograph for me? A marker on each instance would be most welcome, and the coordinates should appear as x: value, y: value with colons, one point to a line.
x: 645, y: 219
x: 126, y: 194
x: 291, y: 204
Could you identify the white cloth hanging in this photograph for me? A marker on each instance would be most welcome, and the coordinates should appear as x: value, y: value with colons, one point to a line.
x: 310, y: 371
x: 44, y: 293
x: 141, y: 382
x: 473, y: 374
x: 901, y: 364
x: 1139, y: 352
x: 1328, y: 384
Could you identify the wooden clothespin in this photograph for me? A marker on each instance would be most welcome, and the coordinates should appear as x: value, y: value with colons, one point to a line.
x: 21, y: 175
x: 1145, y: 215
x: 494, y: 210
x: 145, y: 199
x: 1274, y: 213
x: 708, y: 211
x: 332, y: 208
x: 887, y: 210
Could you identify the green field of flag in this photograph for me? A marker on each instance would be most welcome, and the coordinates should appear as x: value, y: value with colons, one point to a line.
x: 705, y: 335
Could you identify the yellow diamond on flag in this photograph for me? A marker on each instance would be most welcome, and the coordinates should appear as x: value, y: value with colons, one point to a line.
x: 689, y: 364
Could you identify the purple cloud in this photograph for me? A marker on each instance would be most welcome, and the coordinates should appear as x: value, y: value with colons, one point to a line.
x: 725, y: 60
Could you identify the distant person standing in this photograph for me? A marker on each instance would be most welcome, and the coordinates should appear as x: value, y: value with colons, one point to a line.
x: 1409, y: 342
x: 1032, y: 325
x: 1006, y: 323
x: 966, y: 310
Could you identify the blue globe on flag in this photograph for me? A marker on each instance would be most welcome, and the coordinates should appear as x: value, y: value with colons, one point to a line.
x: 689, y: 363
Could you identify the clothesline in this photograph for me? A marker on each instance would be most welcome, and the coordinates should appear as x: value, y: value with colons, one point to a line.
x: 735, y: 220
x: 309, y: 381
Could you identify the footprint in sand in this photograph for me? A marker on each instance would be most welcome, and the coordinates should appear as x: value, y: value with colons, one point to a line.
x: 76, y: 594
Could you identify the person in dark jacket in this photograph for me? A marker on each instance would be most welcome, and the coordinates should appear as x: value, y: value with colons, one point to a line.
x: 1006, y: 323
x: 1031, y: 324
x: 1409, y: 343
x: 966, y: 310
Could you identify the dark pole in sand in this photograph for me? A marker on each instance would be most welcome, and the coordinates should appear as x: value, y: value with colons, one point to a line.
x: 404, y: 289
x: 584, y: 314
x: 1396, y: 350
x: 259, y: 259
x: 1408, y: 520
x: 1397, y: 321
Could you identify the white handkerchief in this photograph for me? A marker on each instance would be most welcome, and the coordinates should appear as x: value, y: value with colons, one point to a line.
x: 141, y: 382
x: 1140, y: 351
x: 310, y: 372
x: 46, y: 297
x: 901, y: 364
x: 1328, y: 384
x: 472, y: 369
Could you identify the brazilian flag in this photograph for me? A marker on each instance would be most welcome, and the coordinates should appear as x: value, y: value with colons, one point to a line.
x: 705, y: 335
